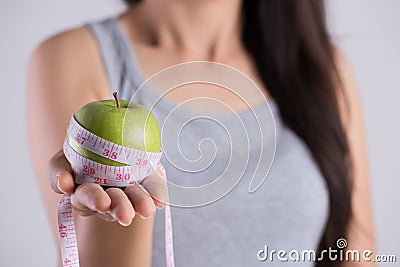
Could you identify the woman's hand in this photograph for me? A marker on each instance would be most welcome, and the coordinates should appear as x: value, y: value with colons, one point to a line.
x: 112, y: 204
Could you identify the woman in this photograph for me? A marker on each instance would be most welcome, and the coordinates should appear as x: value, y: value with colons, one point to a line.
x: 283, y: 46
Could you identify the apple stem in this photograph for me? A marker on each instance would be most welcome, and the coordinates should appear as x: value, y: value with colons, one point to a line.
x: 115, y: 94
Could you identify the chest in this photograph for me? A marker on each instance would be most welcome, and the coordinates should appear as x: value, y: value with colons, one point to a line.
x: 210, y: 91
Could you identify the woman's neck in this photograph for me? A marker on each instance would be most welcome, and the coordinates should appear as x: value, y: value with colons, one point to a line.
x: 209, y: 29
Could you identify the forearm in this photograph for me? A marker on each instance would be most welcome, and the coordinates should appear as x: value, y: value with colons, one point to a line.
x: 103, y: 243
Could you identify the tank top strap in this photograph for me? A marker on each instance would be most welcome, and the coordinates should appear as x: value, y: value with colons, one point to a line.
x: 116, y: 53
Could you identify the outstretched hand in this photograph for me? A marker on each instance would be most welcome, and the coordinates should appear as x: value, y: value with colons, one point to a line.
x: 112, y: 204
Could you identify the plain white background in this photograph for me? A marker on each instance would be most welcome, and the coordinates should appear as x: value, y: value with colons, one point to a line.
x: 366, y: 30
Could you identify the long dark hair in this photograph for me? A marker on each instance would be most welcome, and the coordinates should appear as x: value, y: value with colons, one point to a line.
x: 294, y: 55
x: 291, y: 48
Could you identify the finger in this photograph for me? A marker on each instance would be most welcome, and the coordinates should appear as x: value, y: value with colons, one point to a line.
x: 60, y: 174
x: 90, y: 197
x: 141, y: 200
x: 156, y: 185
x: 121, y: 207
x: 104, y: 216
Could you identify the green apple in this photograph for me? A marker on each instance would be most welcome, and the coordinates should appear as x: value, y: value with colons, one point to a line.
x: 120, y: 122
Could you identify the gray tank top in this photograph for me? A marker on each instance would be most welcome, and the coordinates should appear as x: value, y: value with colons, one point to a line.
x: 287, y: 212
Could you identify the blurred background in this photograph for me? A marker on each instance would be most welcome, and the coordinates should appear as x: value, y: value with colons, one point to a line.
x: 366, y: 30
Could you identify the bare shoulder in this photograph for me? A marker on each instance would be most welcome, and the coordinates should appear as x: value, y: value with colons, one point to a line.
x: 68, y: 60
x: 72, y: 40
x: 64, y: 73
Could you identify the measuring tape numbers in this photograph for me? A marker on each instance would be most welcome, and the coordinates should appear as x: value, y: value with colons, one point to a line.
x: 139, y: 165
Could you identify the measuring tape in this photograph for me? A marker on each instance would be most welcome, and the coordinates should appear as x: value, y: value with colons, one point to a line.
x: 139, y: 165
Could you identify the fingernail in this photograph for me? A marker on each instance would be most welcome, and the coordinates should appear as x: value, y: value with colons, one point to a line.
x: 58, y: 176
x: 112, y: 215
x: 141, y: 216
x: 106, y: 212
x: 124, y: 224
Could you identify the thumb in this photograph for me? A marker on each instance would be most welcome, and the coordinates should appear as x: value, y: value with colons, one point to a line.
x: 60, y: 174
